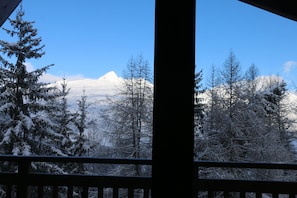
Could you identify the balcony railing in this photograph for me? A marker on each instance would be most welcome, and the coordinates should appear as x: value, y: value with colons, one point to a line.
x: 23, y: 183
x: 259, y: 180
x: 27, y: 183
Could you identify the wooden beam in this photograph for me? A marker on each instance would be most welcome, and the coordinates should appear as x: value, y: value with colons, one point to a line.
x: 174, y: 67
x: 6, y: 8
x: 285, y: 8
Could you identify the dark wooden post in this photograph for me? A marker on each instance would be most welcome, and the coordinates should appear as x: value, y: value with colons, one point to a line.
x: 172, y: 171
x: 24, y: 167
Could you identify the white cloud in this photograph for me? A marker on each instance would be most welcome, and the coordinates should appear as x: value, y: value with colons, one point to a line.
x: 289, y: 65
x: 51, y: 78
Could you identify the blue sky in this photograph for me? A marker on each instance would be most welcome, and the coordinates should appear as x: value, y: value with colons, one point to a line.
x: 254, y: 35
x: 90, y: 38
x: 86, y: 39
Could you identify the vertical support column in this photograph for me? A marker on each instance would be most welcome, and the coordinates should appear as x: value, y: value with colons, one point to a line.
x: 174, y: 69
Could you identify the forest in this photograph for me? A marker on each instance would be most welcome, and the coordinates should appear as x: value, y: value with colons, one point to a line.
x: 237, y: 117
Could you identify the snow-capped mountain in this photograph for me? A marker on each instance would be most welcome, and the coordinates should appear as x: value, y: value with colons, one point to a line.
x: 109, y: 84
x: 95, y: 89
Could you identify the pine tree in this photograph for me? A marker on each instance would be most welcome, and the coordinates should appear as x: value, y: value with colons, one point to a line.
x: 204, y: 147
x: 199, y: 107
x: 251, y: 81
x: 65, y: 120
x: 274, y: 96
x: 82, y: 145
x: 27, y: 128
x: 198, y: 103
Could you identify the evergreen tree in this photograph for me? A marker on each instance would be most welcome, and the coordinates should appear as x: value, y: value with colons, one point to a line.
x: 207, y: 145
x: 82, y: 145
x: 198, y: 103
x: 27, y: 128
x: 65, y: 120
x: 276, y: 92
x: 251, y: 81
x: 198, y: 111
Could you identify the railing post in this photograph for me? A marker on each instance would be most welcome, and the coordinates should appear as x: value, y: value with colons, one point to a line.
x: 84, y: 193
x: 196, y: 177
x: 242, y: 194
x: 23, y: 171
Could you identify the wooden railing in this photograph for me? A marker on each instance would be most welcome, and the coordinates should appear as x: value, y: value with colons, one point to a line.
x: 24, y: 182
x: 243, y: 185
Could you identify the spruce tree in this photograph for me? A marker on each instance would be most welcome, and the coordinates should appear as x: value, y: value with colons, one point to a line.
x: 82, y: 146
x: 198, y: 103
x: 65, y: 120
x: 273, y: 104
x: 28, y: 128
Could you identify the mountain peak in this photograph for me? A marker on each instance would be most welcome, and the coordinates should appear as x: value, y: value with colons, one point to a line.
x: 109, y: 76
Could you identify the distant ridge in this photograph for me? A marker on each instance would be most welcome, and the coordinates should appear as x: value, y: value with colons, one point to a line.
x: 95, y: 89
